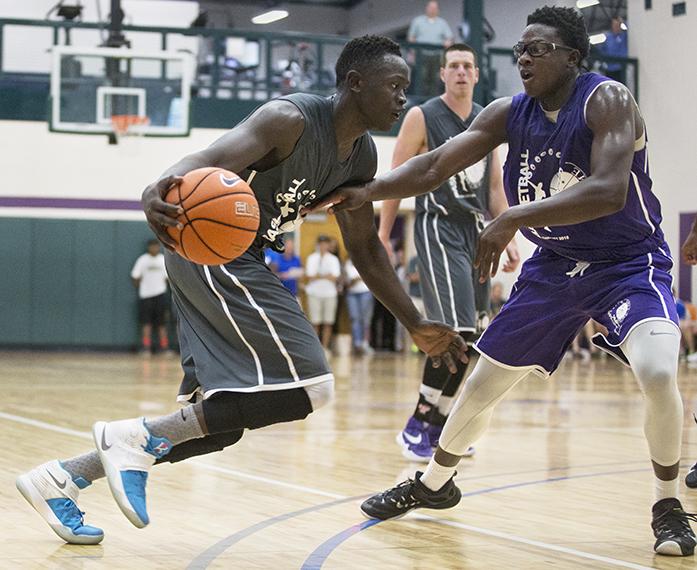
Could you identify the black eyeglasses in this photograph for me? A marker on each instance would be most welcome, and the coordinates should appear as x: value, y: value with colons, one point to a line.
x: 537, y: 48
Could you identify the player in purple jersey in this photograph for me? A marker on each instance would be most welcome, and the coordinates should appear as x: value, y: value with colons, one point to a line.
x: 577, y: 181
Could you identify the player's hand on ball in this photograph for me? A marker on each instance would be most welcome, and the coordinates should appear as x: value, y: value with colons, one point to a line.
x: 689, y: 249
x: 344, y: 198
x: 442, y: 343
x: 492, y: 242
x: 159, y: 213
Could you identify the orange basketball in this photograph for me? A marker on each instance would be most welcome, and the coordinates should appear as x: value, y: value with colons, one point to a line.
x: 220, y: 218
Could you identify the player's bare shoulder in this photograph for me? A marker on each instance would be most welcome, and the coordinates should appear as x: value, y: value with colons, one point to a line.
x: 609, y: 102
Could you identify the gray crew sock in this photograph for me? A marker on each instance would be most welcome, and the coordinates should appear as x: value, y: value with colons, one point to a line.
x: 86, y: 466
x: 177, y: 427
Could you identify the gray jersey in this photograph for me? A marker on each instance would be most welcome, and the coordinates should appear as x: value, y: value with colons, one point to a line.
x: 240, y: 329
x: 466, y: 191
x: 311, y: 171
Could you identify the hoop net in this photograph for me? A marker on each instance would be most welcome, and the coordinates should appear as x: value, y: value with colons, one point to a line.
x: 127, y: 125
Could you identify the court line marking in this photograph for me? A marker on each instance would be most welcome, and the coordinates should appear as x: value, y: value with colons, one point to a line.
x: 343, y: 498
x: 319, y: 556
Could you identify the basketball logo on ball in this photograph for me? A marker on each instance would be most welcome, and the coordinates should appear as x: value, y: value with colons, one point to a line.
x: 220, y: 218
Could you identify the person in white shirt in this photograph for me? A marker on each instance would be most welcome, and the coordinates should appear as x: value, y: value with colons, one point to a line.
x: 150, y: 278
x: 359, y: 300
x: 322, y: 270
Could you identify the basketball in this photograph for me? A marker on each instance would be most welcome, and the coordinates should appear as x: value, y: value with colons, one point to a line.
x: 220, y: 218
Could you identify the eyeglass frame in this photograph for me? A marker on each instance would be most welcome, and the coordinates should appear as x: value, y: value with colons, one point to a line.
x: 551, y: 46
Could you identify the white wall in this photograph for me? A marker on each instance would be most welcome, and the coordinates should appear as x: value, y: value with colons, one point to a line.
x: 667, y: 86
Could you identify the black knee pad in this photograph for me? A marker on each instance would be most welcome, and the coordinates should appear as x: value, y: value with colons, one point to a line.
x: 228, y: 411
x: 201, y: 446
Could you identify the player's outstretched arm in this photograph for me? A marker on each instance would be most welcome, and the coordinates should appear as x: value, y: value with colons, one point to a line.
x: 426, y: 172
x: 689, y: 248
x: 369, y: 257
x: 263, y: 140
x: 613, y: 117
x: 411, y: 141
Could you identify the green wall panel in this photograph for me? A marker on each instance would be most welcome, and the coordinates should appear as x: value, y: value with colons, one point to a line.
x: 93, y: 293
x: 15, y: 281
x: 52, y: 281
x: 67, y: 282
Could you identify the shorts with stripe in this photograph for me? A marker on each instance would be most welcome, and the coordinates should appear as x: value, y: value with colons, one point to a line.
x: 555, y: 296
x: 450, y: 289
x: 241, y: 330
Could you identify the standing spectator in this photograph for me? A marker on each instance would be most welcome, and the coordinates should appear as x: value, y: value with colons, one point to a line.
x: 616, y: 46
x: 150, y: 277
x: 322, y: 271
x: 287, y: 266
x: 430, y: 28
x: 360, y: 307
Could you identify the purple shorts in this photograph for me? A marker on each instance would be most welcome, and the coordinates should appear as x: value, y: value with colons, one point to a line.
x: 555, y: 296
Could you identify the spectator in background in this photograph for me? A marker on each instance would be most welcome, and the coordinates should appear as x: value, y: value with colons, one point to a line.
x: 430, y: 28
x: 322, y: 271
x: 497, y: 298
x: 150, y: 278
x: 287, y: 266
x: 615, y: 46
x: 360, y: 307
x: 687, y: 328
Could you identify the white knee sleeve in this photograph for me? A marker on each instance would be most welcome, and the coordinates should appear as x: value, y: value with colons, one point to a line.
x: 469, y: 418
x: 320, y: 394
x: 652, y: 349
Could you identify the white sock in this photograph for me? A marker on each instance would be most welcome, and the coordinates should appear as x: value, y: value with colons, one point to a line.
x: 430, y: 394
x: 436, y: 475
x: 663, y: 489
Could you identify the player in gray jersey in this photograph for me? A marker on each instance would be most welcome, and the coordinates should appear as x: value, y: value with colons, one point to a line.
x: 447, y: 225
x: 250, y: 356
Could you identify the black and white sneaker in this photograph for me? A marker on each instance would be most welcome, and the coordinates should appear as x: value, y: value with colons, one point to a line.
x: 408, y: 495
x: 671, y: 527
x: 691, y: 477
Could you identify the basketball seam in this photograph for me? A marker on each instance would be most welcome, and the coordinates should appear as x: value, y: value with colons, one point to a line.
x: 179, y: 188
x: 188, y: 221
x: 215, y: 198
x: 193, y: 229
x: 223, y: 224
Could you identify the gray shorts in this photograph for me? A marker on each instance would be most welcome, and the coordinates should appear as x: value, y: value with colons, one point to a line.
x: 241, y: 330
x: 451, y: 291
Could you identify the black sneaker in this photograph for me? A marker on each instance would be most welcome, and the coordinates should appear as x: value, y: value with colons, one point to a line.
x: 671, y: 527
x: 410, y: 494
x: 691, y: 477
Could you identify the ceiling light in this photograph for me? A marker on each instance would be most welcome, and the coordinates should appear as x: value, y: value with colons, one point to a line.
x: 586, y: 3
x: 597, y: 38
x: 270, y: 16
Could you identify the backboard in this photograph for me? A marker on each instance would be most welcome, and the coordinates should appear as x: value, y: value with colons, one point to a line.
x: 89, y: 86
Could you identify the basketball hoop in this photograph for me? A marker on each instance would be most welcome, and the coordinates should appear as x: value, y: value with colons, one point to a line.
x: 127, y: 125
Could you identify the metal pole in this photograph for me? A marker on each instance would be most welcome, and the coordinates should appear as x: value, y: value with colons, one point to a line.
x: 473, y: 14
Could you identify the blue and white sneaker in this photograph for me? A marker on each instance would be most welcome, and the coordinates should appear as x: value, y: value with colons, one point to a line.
x: 413, y: 440
x: 128, y: 450
x: 52, y: 492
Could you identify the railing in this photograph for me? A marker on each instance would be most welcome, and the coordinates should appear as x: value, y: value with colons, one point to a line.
x: 277, y: 63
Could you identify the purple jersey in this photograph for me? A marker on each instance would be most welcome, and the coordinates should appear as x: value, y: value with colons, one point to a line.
x: 545, y: 158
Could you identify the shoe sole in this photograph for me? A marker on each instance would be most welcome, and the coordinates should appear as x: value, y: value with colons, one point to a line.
x: 113, y: 477
x: 407, y: 453
x: 672, y: 548
x: 33, y: 497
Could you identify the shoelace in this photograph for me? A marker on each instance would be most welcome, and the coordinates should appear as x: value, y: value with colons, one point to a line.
x: 675, y: 521
x: 402, y: 493
x: 70, y: 515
